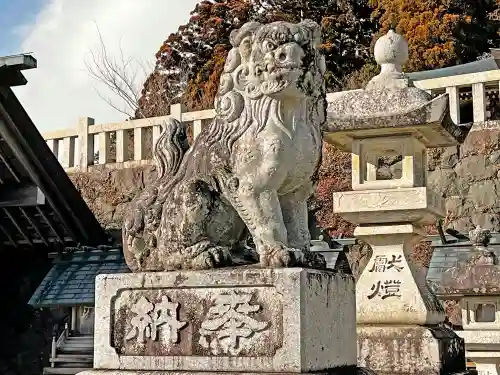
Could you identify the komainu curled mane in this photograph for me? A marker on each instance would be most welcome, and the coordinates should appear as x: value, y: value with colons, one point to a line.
x: 251, y: 169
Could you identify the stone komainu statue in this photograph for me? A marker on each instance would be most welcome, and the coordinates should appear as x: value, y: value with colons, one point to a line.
x: 251, y: 169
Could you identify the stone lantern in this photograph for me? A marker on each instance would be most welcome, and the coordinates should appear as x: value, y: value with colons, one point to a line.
x: 476, y: 284
x: 398, y: 317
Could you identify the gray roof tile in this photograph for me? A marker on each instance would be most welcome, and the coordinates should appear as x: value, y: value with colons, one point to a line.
x: 71, y: 281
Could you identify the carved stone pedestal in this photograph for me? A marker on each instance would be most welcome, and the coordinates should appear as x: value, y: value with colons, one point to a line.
x: 233, y: 320
x: 389, y: 350
x: 350, y: 370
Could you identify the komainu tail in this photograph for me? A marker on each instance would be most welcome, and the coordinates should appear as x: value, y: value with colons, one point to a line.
x: 170, y: 148
x: 144, y: 215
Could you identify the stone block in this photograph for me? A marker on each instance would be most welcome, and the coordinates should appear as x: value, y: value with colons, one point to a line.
x: 443, y: 182
x: 413, y: 205
x: 410, y: 350
x: 482, y: 348
x: 484, y: 194
x: 349, y: 370
x: 480, y: 142
x: 241, y: 319
x: 475, y: 168
x: 449, y: 157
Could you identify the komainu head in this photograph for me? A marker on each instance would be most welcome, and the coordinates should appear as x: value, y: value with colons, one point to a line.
x: 278, y: 60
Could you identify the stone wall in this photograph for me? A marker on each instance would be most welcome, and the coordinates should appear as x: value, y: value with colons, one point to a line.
x: 108, y: 191
x: 468, y: 177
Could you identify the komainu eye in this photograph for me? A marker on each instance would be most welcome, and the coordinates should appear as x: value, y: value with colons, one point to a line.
x: 268, y: 46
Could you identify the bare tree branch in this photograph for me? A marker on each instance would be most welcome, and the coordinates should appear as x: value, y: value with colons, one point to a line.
x: 123, y: 80
x: 120, y: 76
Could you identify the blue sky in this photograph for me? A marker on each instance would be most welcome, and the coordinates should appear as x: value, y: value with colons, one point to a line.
x: 14, y: 14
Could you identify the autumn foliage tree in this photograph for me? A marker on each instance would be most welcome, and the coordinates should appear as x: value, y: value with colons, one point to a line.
x: 198, y: 48
x: 440, y: 33
x: 203, y: 43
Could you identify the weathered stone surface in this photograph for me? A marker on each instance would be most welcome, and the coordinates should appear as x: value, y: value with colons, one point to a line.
x: 130, y: 180
x: 241, y: 319
x: 391, y: 290
x: 449, y: 157
x: 359, y: 110
x: 414, y: 205
x: 486, y: 220
x: 481, y: 141
x: 470, y: 188
x: 105, y: 210
x: 348, y: 370
x: 119, y: 214
x: 483, y: 194
x: 454, y: 205
x: 410, y: 350
x: 494, y: 157
x: 108, y: 191
x: 251, y: 168
x: 475, y: 168
x: 443, y: 182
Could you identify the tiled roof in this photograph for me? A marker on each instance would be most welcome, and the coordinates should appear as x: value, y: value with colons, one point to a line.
x: 334, y: 253
x: 454, y: 253
x: 71, y: 281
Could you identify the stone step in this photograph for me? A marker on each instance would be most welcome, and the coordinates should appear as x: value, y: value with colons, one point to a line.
x: 73, y: 358
x: 80, y: 339
x: 78, y: 343
x: 73, y: 365
x: 72, y: 350
x: 77, y: 348
x: 63, y: 370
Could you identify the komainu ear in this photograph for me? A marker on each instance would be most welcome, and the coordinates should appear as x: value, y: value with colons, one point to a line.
x: 247, y: 29
x: 314, y: 31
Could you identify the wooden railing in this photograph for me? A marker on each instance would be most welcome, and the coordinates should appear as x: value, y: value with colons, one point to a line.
x: 57, y: 343
x: 124, y: 144
x: 91, y: 144
x: 482, y: 88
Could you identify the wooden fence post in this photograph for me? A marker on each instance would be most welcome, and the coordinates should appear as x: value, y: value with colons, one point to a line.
x: 139, y: 144
x: 68, y: 152
x: 54, y: 147
x: 122, y: 144
x: 53, y: 351
x: 479, y: 102
x: 197, y: 125
x: 86, y: 143
x: 176, y: 111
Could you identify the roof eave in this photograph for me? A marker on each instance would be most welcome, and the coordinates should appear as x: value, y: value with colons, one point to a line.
x: 11, y: 67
